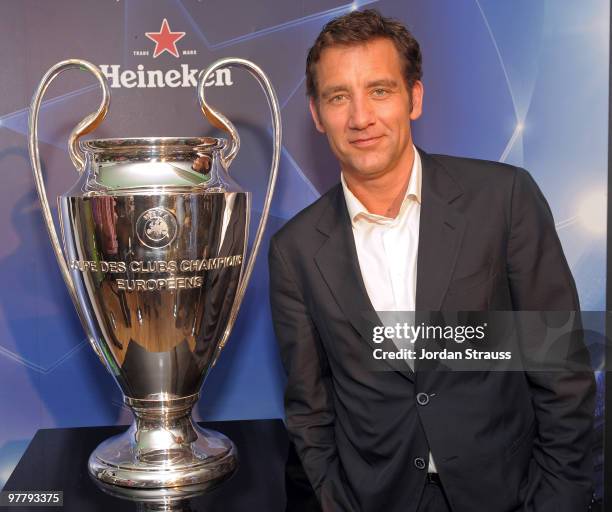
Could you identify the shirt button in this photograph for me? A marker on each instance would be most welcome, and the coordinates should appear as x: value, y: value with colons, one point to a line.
x: 422, y: 398
x: 419, y: 463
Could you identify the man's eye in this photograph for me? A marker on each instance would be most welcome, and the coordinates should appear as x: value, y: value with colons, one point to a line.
x: 379, y: 92
x: 337, y: 98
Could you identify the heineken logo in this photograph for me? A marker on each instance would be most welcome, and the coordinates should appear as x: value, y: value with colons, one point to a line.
x: 165, y: 44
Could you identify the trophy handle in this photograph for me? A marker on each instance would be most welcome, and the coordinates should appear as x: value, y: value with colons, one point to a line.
x: 220, y: 121
x: 85, y: 126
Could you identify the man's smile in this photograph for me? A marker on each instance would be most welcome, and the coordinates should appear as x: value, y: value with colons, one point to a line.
x: 365, y: 141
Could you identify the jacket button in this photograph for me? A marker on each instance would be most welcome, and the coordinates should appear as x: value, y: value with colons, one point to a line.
x: 419, y: 463
x: 422, y: 398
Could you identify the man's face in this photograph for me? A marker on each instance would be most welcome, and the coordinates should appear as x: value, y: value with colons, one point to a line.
x: 365, y: 108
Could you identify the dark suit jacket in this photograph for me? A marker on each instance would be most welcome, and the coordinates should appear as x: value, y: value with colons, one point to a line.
x: 502, y: 441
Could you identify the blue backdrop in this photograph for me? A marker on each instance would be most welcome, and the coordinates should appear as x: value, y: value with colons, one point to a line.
x: 521, y: 82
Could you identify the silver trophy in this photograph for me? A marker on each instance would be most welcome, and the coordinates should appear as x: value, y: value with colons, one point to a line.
x: 155, y: 236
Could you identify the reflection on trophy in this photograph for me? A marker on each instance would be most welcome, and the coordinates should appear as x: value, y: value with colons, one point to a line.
x: 155, y: 235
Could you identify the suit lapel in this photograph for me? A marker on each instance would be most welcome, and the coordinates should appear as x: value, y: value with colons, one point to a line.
x: 338, y: 263
x: 440, y: 233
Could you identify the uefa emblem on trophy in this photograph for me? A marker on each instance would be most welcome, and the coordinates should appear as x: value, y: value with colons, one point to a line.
x: 155, y: 235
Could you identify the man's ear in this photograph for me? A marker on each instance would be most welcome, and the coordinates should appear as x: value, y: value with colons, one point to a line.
x: 315, y: 115
x: 416, y: 95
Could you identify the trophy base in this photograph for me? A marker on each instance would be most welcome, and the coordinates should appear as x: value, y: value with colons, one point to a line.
x: 164, y: 450
x: 163, y: 499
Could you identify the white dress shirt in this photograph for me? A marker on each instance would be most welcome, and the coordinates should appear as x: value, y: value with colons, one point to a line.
x: 387, y: 249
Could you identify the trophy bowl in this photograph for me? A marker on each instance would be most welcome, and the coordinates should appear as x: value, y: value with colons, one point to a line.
x: 155, y: 235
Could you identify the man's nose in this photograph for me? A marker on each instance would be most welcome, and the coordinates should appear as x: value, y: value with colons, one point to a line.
x: 362, y: 114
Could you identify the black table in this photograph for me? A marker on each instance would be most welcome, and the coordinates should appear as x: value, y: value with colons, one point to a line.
x: 270, y: 477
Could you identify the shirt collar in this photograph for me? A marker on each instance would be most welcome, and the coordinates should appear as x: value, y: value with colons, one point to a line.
x: 413, y: 192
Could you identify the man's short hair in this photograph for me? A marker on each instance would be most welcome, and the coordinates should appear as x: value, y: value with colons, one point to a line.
x: 359, y: 27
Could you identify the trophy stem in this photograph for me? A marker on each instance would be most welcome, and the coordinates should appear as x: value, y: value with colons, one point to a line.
x: 164, y: 449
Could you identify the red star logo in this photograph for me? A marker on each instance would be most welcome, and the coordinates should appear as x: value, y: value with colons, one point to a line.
x: 165, y: 40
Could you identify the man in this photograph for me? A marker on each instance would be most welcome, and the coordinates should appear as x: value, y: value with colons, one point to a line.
x: 409, y: 231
